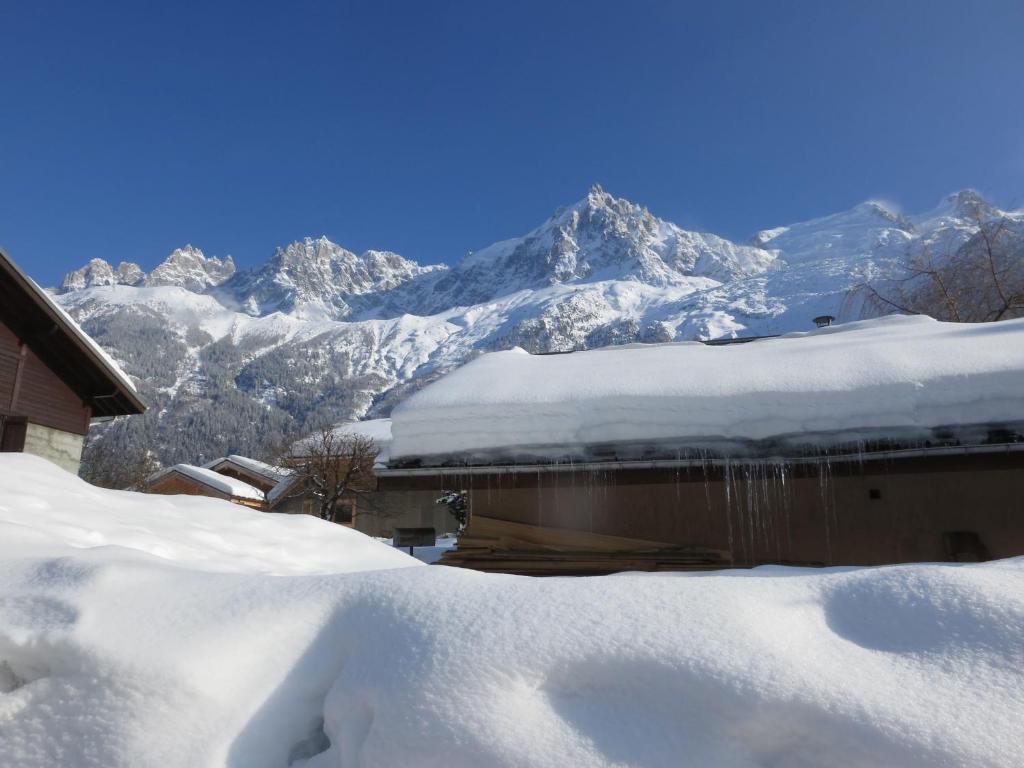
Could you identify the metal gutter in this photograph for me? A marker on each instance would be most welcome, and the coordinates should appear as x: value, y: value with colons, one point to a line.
x: 895, y: 454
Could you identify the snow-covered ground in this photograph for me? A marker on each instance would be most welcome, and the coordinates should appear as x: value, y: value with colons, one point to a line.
x: 154, y: 631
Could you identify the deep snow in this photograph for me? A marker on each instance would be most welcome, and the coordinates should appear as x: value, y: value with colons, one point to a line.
x: 898, y: 374
x: 158, y: 631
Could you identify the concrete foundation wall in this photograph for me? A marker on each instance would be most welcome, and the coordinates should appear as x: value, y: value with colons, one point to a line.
x: 62, y: 448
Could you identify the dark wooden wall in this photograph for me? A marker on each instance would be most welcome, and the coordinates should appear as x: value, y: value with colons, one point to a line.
x: 29, y: 388
x: 851, y: 514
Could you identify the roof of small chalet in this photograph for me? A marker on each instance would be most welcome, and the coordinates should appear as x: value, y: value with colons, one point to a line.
x: 268, y: 472
x: 229, y: 486
x: 898, y: 380
x: 287, y: 486
x: 65, y: 348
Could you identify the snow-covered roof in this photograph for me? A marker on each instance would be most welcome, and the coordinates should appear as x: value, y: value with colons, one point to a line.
x: 116, y: 370
x: 228, y: 485
x: 378, y: 430
x: 255, y: 466
x: 276, y: 493
x: 84, y: 350
x: 895, y: 375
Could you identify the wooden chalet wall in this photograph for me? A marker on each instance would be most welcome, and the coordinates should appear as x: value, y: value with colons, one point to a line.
x: 173, y: 484
x: 929, y: 508
x: 29, y: 388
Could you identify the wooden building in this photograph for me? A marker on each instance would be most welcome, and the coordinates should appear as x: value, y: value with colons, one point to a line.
x: 256, y: 473
x: 373, y: 510
x: 200, y: 481
x: 259, y: 485
x: 684, y: 456
x: 925, y: 504
x: 53, y: 378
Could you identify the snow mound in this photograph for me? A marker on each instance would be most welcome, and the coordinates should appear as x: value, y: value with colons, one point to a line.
x: 114, y: 654
x: 900, y: 374
x: 49, y: 508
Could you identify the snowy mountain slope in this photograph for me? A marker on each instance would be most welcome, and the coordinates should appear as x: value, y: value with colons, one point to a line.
x: 229, y: 361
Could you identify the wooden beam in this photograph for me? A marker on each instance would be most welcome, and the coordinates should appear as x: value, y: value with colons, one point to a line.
x: 22, y: 352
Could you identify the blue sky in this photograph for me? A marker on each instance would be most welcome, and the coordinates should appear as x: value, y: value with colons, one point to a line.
x: 435, y: 129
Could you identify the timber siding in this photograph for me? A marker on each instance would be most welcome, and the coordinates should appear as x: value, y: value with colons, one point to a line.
x: 871, y: 511
x: 53, y: 379
x: 29, y: 388
x: 10, y: 359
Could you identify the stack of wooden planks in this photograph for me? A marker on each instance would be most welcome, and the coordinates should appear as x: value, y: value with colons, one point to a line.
x: 499, y: 546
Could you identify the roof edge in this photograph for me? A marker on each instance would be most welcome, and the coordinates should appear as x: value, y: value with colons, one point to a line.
x: 82, y: 340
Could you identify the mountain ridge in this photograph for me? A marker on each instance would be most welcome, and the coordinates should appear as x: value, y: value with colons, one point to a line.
x: 232, y: 359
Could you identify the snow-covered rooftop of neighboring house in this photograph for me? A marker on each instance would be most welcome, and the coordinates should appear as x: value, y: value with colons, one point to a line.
x: 895, y: 376
x: 222, y: 483
x: 269, y: 471
x: 289, y: 484
x: 378, y: 430
x: 88, y: 340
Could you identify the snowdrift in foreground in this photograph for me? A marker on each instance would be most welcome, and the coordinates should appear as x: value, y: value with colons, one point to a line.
x: 115, y: 654
x: 43, y: 508
x: 902, y: 374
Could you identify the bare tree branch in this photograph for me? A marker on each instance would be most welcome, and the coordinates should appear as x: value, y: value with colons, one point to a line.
x: 332, y: 466
x: 982, y: 280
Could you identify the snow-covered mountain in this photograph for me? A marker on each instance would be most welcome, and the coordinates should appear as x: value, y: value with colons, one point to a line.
x: 230, y: 360
x: 186, y: 268
x: 319, y: 279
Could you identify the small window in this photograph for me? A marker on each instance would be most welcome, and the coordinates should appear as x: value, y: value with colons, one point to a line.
x: 875, y: 494
x: 12, y: 433
x: 344, y: 511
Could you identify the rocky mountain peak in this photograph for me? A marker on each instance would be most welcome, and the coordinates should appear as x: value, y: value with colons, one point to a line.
x: 99, y: 272
x: 969, y: 204
x: 190, y: 269
x: 315, y: 277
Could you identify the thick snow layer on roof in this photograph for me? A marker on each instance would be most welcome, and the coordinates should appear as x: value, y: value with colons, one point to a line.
x: 896, y: 373
x: 142, y: 630
x: 378, y: 430
x: 222, y: 483
x: 269, y: 471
